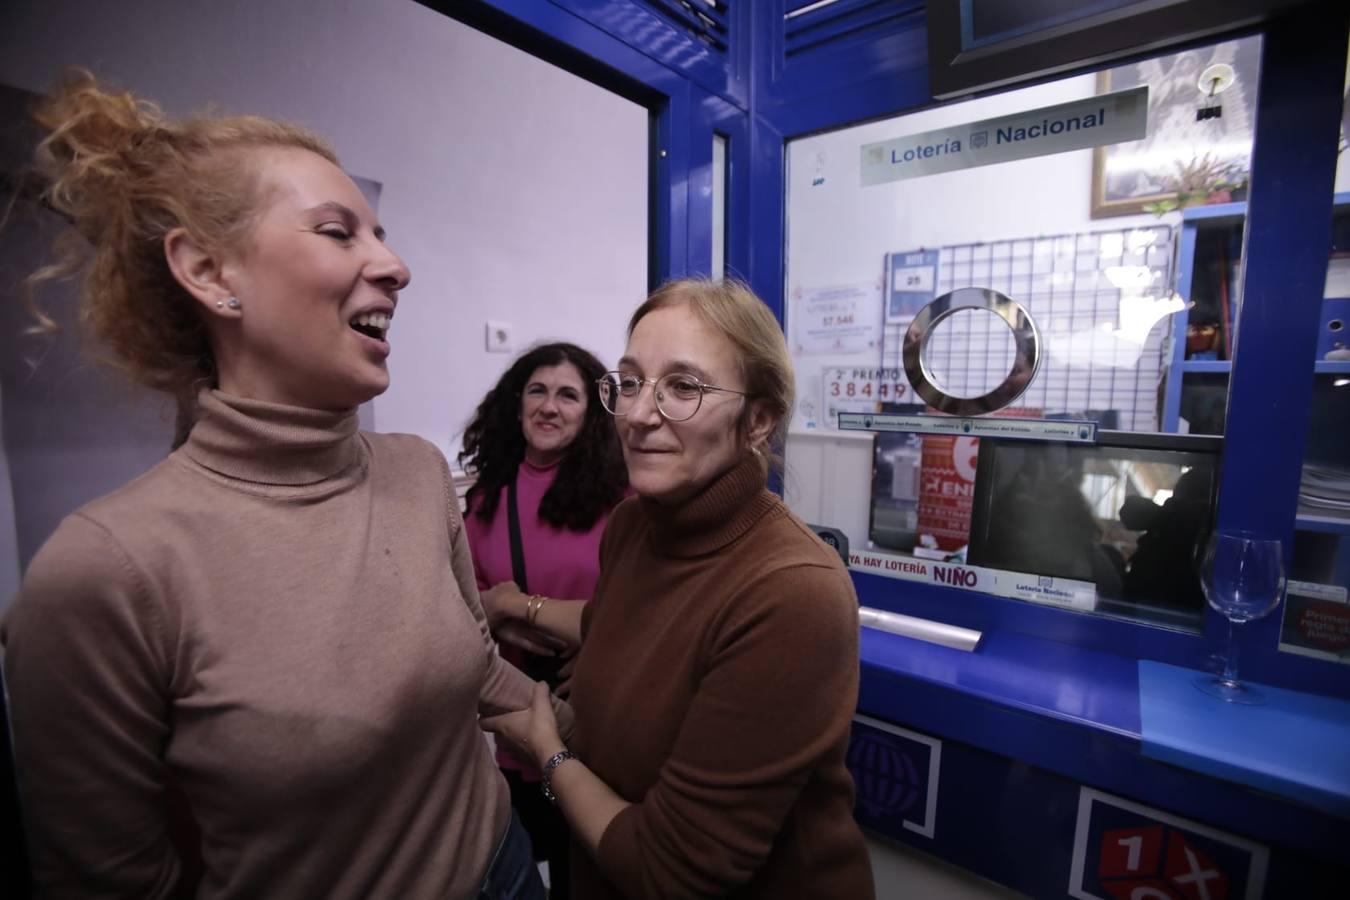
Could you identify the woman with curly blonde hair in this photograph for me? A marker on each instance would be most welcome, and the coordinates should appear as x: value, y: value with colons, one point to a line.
x: 279, y: 623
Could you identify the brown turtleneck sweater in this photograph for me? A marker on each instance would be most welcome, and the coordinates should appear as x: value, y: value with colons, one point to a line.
x: 281, y: 619
x: 714, y: 691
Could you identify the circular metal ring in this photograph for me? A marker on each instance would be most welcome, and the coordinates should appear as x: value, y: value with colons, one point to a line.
x: 1027, y: 358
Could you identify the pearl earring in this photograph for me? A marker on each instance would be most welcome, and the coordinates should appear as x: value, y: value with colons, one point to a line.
x: 220, y: 304
x: 233, y: 303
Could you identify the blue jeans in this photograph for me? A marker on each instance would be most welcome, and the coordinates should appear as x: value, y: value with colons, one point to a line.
x: 512, y: 874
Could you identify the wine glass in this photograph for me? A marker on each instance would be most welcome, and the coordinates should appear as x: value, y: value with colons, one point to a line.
x: 1214, y: 656
x: 1243, y: 579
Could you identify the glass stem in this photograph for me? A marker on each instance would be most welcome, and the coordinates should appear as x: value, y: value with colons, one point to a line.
x: 1230, y: 661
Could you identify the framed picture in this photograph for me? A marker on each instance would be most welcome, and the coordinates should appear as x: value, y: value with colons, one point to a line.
x: 1186, y: 159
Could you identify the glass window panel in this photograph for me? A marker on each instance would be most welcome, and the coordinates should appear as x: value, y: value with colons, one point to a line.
x: 1126, y: 257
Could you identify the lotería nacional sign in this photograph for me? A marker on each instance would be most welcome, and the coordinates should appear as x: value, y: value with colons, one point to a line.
x: 1079, y: 124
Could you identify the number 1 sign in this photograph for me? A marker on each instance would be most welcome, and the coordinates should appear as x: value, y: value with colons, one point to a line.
x: 1128, y: 851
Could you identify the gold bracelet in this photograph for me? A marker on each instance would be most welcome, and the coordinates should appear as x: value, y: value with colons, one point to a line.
x: 532, y: 608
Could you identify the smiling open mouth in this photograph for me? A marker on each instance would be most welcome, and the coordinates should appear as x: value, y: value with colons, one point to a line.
x: 372, y: 325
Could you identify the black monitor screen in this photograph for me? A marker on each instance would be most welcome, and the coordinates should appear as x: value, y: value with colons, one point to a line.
x: 997, y: 20
x: 896, y: 477
x: 982, y: 44
x: 1127, y: 517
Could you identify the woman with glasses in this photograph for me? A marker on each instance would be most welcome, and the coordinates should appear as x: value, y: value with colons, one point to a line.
x: 548, y: 471
x: 718, y: 671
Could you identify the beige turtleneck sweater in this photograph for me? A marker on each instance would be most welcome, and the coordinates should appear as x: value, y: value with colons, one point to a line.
x: 715, y: 691
x: 281, y: 619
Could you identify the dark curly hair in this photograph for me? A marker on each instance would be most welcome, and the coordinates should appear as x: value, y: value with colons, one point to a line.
x: 592, y: 477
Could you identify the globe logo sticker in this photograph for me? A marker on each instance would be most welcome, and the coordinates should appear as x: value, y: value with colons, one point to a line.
x: 889, y: 781
x: 895, y: 772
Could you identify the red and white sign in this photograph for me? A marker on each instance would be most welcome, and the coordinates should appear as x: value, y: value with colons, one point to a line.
x: 947, y: 490
x: 947, y: 485
x: 1316, y: 621
x: 1127, y: 851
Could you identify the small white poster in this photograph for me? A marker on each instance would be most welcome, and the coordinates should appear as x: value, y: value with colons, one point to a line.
x: 841, y: 319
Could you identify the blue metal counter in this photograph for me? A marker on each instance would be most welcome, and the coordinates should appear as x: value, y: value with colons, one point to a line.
x: 1025, y: 762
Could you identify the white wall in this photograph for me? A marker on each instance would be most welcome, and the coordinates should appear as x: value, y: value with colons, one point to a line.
x: 512, y: 189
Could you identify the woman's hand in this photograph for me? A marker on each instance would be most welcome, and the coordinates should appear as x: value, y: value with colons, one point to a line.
x: 502, y: 602
x: 532, y: 732
x: 526, y: 638
x: 564, y: 688
x: 505, y: 604
x: 589, y: 804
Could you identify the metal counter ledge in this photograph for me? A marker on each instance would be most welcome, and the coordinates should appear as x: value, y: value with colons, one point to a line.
x: 1077, y: 713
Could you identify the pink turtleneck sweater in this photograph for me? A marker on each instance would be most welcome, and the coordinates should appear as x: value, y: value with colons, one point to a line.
x: 559, y: 562
x: 282, y: 620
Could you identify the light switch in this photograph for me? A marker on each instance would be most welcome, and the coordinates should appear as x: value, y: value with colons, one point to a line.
x: 499, y: 337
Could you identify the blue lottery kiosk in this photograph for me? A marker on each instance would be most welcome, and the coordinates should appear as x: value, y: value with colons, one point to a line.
x: 1067, y: 286
x: 1147, y: 199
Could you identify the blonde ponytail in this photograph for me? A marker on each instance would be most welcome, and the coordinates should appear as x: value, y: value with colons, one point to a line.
x: 124, y: 175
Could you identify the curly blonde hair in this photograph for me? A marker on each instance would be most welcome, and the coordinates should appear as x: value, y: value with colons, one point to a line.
x: 125, y: 175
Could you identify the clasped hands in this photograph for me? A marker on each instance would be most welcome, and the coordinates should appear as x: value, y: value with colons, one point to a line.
x: 531, y: 732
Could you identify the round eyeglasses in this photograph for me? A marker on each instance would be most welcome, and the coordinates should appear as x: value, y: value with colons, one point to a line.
x: 678, y: 396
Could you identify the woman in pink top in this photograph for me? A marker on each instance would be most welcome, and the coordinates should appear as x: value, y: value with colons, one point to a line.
x: 541, y: 446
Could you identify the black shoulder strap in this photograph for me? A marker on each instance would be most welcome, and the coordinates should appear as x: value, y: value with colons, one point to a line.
x: 517, y: 548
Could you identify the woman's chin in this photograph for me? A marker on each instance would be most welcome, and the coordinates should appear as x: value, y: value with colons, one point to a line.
x: 373, y: 382
x: 653, y: 486
x: 356, y: 393
x: 545, y: 455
